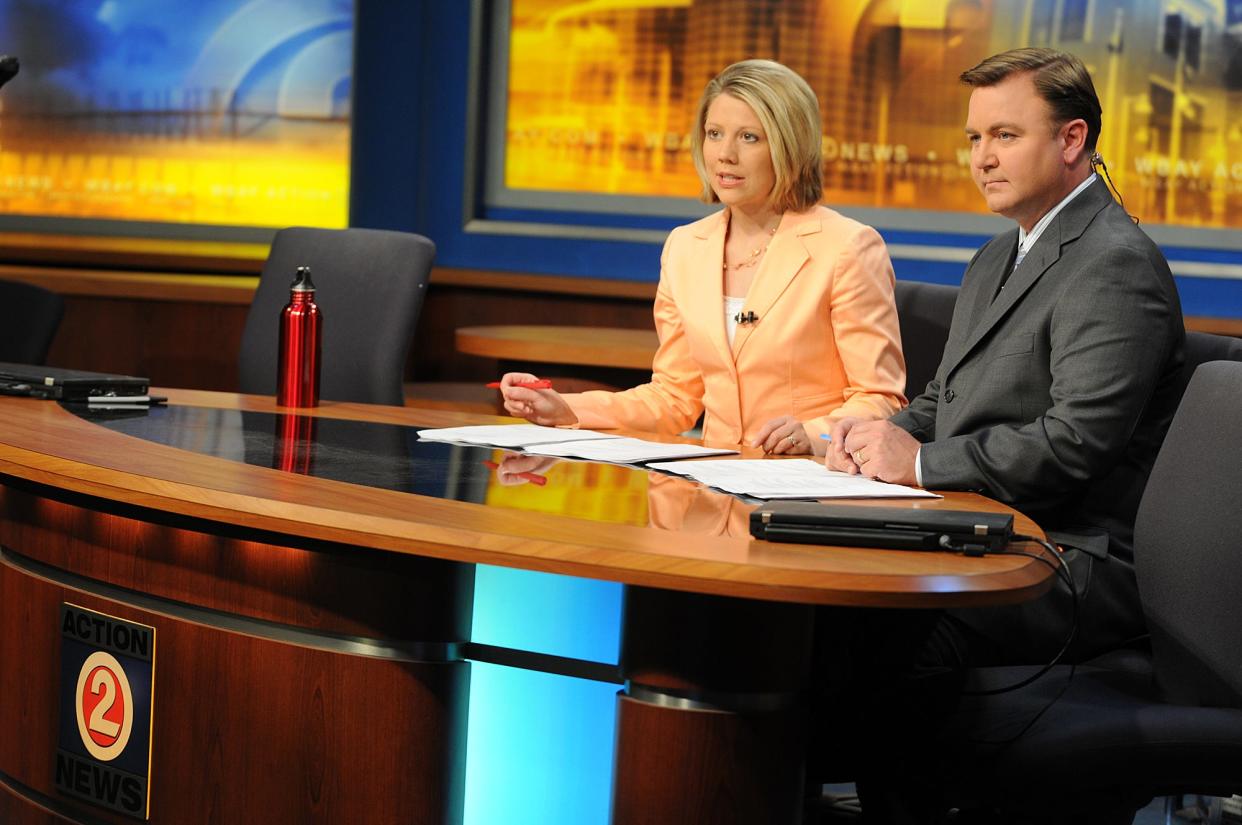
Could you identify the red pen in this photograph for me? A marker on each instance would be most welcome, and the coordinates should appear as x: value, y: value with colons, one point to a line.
x: 541, y: 384
x: 533, y: 478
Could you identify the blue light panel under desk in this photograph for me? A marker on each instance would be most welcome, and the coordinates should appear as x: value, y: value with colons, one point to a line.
x: 540, y: 746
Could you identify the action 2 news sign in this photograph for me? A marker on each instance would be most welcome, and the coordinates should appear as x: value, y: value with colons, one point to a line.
x: 106, y: 692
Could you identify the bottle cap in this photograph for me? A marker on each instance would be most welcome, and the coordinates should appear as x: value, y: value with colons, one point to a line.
x: 302, y: 280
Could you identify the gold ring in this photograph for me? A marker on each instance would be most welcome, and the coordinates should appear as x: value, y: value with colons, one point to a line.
x: 858, y: 458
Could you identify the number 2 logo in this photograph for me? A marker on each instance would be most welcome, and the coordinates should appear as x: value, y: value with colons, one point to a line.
x: 104, y: 706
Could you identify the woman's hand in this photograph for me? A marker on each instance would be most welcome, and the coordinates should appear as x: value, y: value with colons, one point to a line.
x: 520, y: 468
x: 544, y: 407
x: 784, y: 436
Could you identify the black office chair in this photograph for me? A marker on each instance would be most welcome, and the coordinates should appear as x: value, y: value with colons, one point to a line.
x: 370, y: 285
x: 1203, y: 347
x: 924, y: 312
x: 1097, y: 744
x: 29, y: 318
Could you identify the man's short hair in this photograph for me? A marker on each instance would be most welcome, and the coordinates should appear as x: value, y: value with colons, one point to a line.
x: 788, y: 111
x: 1060, y: 79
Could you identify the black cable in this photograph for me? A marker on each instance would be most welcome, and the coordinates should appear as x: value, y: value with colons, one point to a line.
x: 1069, y: 678
x: 1061, y: 570
x: 1097, y: 160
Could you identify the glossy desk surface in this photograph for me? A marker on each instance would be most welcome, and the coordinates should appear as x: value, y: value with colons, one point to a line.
x: 211, y: 456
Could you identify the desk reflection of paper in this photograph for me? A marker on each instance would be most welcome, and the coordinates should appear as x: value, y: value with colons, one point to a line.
x: 509, y: 435
x: 625, y: 450
x: 792, y: 478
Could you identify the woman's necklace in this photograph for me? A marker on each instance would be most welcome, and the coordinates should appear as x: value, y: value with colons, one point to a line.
x: 754, y: 256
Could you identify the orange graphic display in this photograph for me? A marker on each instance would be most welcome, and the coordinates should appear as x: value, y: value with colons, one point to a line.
x: 211, y: 182
x: 601, y: 95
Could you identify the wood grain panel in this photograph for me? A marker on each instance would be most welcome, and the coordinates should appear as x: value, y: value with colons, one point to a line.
x: 328, y: 589
x: 722, y: 645
x: 736, y: 755
x: 591, y: 346
x: 435, y: 357
x: 677, y: 766
x: 1217, y: 326
x: 18, y: 810
x: 167, y: 342
x: 245, y: 729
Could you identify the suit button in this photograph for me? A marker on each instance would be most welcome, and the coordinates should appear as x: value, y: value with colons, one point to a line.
x: 949, y: 395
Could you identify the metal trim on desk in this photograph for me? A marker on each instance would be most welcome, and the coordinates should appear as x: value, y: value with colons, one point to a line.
x: 414, y: 652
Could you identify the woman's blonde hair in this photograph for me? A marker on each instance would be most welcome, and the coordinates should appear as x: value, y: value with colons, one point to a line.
x: 788, y: 111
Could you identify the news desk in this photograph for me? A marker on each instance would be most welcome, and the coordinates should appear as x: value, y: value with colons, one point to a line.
x: 310, y: 581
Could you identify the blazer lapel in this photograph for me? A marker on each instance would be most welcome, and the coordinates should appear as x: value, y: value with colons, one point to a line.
x: 1065, y: 228
x: 784, y: 259
x: 705, y: 289
x: 989, y: 271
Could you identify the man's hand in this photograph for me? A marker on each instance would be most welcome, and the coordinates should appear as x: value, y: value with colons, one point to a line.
x: 837, y: 458
x: 880, y: 449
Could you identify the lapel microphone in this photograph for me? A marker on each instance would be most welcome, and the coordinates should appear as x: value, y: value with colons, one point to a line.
x: 745, y: 318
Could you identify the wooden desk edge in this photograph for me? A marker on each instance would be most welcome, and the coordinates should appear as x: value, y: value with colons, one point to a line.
x: 629, y: 555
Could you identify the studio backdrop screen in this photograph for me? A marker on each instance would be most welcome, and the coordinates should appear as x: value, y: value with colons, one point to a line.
x: 227, y: 113
x: 598, y: 98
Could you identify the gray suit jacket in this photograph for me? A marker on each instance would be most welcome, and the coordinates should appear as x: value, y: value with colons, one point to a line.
x: 1054, y: 397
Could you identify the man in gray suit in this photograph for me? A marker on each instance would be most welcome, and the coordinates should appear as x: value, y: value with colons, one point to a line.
x: 1058, y: 379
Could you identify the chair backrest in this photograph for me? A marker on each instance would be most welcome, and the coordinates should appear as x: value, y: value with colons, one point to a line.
x: 29, y: 318
x: 1202, y: 347
x: 924, y: 313
x: 1188, y: 544
x: 369, y: 286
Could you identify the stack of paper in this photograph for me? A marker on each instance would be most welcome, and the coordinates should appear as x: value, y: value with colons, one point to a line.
x: 625, y: 450
x: 515, y: 436
x: 586, y: 444
x: 792, y: 478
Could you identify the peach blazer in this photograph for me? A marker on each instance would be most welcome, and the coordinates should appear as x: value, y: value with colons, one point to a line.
x: 825, y: 345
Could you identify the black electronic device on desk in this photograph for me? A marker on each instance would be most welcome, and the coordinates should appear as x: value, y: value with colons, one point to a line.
x: 75, y: 386
x: 804, y: 522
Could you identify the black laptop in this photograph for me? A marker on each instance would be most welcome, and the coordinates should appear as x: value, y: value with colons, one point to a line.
x: 68, y: 385
x: 808, y: 522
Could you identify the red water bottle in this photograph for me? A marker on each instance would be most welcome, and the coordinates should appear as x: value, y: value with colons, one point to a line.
x: 294, y: 450
x: 301, y: 328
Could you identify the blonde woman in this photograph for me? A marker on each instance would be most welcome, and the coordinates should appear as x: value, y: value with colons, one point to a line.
x: 775, y: 315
